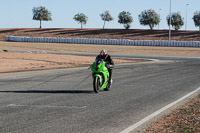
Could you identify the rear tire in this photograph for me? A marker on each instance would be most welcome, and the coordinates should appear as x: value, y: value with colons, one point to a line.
x: 96, y: 84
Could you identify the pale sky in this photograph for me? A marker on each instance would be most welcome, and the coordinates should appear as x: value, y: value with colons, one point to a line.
x: 18, y: 13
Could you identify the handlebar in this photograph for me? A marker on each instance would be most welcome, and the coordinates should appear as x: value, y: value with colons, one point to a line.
x: 110, y: 66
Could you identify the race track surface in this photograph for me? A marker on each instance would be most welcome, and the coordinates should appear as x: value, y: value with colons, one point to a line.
x: 63, y: 101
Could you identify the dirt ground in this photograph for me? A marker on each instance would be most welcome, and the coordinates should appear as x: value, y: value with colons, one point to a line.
x: 11, y: 62
x: 87, y: 48
x: 16, y: 62
x: 183, y: 120
x: 132, y: 34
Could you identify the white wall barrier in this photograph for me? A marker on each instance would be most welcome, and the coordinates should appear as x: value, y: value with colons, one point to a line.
x: 162, y: 43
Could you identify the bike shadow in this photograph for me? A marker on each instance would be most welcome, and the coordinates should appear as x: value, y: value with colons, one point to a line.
x: 51, y: 91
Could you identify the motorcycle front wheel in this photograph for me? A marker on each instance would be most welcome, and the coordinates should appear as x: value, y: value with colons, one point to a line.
x: 108, y: 87
x: 96, y: 84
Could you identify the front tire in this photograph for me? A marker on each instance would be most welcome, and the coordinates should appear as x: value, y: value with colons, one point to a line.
x: 108, y: 86
x: 96, y: 84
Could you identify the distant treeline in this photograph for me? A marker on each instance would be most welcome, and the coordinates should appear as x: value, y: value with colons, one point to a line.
x: 147, y: 18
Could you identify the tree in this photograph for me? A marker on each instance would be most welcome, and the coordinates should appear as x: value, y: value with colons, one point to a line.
x: 81, y: 19
x: 106, y: 17
x: 150, y: 18
x: 196, y: 19
x: 176, y: 20
x: 126, y: 19
x: 41, y: 14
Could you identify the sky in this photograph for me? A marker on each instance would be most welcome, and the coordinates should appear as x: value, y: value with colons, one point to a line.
x: 18, y: 13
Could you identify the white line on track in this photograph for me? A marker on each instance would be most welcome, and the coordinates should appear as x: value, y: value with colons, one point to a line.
x: 46, y: 106
x: 134, y: 126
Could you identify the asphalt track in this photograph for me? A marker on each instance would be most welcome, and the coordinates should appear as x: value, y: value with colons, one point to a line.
x: 62, y: 101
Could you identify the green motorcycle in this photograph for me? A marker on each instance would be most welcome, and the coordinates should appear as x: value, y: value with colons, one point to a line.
x: 100, y: 75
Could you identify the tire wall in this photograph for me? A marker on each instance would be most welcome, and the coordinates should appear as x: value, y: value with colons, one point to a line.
x: 160, y: 43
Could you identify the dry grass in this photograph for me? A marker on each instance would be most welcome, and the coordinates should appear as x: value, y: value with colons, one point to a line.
x: 84, y: 48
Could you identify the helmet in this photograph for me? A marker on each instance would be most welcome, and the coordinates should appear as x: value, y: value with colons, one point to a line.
x: 103, y: 53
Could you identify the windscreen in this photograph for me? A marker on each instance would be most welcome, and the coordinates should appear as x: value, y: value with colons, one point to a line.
x: 98, y: 61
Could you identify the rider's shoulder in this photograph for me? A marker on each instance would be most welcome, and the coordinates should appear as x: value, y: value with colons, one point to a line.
x: 98, y: 56
x: 108, y: 56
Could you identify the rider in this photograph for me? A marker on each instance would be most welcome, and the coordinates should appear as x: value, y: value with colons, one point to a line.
x: 107, y: 58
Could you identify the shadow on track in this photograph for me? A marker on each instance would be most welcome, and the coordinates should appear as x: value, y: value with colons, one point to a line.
x: 52, y: 91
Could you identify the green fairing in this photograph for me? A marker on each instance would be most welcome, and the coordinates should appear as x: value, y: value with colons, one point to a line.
x: 99, y: 71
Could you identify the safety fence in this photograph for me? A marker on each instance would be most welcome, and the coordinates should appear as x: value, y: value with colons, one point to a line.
x: 161, y: 43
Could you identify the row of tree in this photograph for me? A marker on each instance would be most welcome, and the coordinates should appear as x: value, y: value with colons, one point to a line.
x: 147, y: 18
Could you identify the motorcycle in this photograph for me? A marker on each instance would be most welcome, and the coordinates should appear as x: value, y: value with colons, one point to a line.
x: 100, y: 75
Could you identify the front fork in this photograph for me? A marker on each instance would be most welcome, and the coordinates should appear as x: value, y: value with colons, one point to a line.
x: 103, y: 83
x: 100, y: 78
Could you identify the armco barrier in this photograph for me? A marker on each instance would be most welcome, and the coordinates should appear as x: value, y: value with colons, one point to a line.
x: 105, y: 41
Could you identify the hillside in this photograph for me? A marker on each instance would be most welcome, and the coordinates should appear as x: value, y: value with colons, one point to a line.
x: 132, y: 34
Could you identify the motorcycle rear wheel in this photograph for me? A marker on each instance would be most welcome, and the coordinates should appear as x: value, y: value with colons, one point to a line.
x: 96, y: 84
